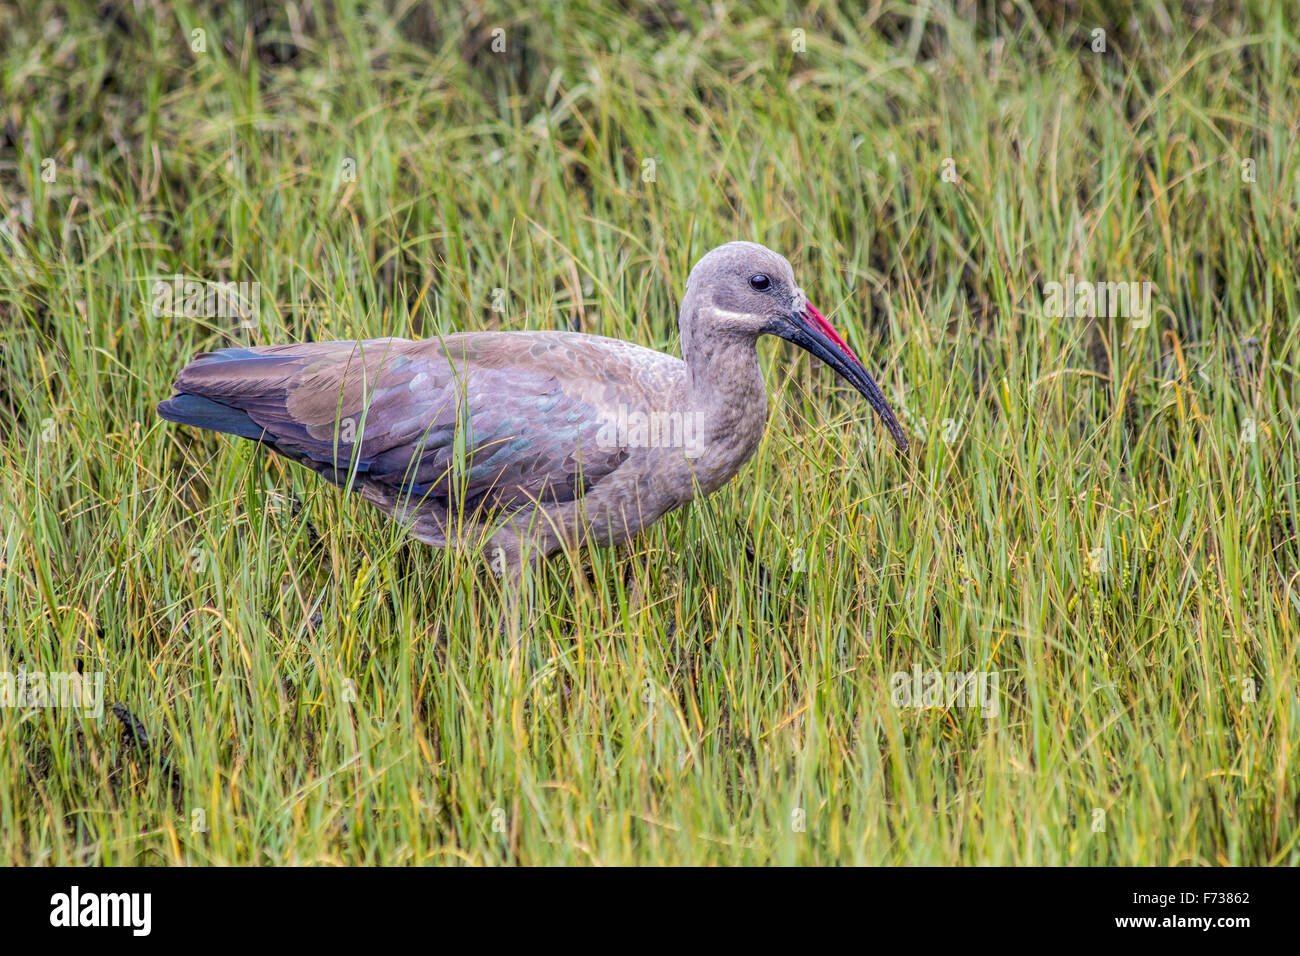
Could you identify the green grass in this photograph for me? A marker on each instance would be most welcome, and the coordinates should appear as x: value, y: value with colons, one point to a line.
x: 1149, y: 691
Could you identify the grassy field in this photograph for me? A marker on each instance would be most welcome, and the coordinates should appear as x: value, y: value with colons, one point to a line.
x: 1098, y: 515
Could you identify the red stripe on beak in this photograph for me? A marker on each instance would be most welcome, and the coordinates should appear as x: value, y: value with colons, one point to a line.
x: 826, y: 327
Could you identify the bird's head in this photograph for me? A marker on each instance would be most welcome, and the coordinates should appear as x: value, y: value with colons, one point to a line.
x: 744, y: 289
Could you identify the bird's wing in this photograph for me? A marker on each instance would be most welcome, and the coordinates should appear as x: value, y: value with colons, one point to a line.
x: 474, y: 419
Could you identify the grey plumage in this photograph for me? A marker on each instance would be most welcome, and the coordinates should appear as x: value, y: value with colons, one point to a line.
x: 521, y: 438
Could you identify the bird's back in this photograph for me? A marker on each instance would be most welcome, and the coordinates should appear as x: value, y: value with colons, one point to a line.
x: 470, y: 421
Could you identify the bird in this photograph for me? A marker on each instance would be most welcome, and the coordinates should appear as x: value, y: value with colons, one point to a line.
x: 528, y: 442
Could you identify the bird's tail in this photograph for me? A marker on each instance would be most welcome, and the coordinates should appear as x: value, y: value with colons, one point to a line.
x: 217, y: 389
x: 205, y: 413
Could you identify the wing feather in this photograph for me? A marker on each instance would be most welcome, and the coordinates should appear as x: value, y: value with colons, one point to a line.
x: 473, y: 420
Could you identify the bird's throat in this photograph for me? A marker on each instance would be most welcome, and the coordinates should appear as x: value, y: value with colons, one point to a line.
x: 726, y: 394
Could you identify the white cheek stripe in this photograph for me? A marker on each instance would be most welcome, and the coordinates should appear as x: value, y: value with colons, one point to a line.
x: 728, y: 314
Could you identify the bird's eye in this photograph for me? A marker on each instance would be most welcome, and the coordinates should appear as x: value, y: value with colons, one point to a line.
x: 760, y: 282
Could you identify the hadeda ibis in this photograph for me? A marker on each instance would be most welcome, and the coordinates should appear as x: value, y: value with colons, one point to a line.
x: 529, y: 441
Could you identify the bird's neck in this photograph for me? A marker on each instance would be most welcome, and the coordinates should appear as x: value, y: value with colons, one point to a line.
x: 722, y: 369
x: 726, y: 393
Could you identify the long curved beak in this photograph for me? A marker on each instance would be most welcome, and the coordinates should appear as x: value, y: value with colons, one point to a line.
x: 810, y: 331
